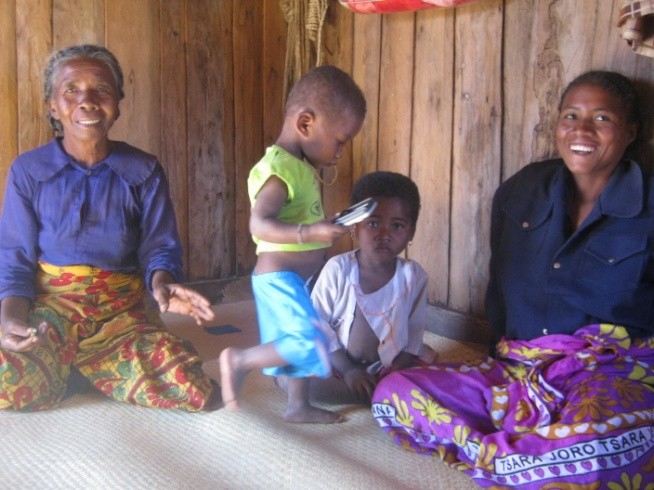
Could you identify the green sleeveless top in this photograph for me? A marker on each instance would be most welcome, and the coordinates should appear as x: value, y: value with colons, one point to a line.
x: 304, y: 204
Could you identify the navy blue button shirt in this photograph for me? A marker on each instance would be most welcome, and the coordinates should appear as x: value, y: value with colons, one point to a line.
x: 546, y: 278
x: 116, y: 215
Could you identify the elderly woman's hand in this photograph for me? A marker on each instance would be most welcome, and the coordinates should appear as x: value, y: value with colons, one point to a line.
x: 17, y: 336
x: 180, y: 299
x: 177, y: 298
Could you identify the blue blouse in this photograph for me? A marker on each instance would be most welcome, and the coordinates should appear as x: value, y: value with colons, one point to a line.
x: 116, y: 215
x: 547, y: 278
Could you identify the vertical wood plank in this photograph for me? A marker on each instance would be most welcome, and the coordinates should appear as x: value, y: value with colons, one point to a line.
x: 396, y: 92
x: 174, y: 132
x: 274, y: 55
x: 211, y: 139
x: 522, y: 132
x: 133, y: 35
x: 431, y: 145
x: 609, y: 51
x: 338, y: 51
x: 477, y: 116
x: 8, y: 89
x: 366, y: 72
x: 248, y: 112
x: 33, y: 46
x: 77, y: 22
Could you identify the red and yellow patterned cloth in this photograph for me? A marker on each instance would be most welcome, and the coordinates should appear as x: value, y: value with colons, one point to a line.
x: 99, y: 323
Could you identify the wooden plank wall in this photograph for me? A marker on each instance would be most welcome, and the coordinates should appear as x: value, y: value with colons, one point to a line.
x: 459, y: 99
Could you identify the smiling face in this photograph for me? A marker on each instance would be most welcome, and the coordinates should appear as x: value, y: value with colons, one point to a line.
x: 387, y: 232
x: 593, y: 132
x: 85, y: 102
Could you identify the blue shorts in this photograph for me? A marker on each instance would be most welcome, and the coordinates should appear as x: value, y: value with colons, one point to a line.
x: 287, y: 319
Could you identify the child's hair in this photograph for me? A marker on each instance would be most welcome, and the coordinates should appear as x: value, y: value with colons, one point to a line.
x: 329, y: 90
x: 388, y: 184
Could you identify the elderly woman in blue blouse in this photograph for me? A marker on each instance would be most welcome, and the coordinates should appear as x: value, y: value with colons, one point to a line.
x: 87, y: 230
x: 568, y: 399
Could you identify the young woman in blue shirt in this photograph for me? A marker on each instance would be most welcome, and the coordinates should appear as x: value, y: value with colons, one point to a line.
x: 568, y: 398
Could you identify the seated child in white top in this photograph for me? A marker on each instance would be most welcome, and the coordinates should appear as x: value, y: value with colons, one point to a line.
x: 371, y: 302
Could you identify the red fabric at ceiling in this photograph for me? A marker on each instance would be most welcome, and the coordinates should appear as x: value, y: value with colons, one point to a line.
x: 391, y: 6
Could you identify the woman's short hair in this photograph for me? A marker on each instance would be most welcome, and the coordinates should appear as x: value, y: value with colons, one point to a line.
x: 614, y: 83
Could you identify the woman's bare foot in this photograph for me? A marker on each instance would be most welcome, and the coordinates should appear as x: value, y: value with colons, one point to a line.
x: 215, y: 401
x: 231, y: 377
x: 309, y: 414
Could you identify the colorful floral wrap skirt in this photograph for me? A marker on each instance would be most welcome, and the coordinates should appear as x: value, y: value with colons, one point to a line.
x: 98, y: 323
x: 561, y: 411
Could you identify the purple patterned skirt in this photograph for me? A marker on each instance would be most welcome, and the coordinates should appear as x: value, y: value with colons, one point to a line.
x: 559, y: 411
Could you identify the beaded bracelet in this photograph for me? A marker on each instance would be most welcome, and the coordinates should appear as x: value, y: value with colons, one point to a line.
x: 299, y: 234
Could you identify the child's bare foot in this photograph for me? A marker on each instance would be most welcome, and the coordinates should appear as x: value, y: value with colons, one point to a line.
x: 231, y: 377
x: 281, y: 381
x: 311, y: 415
x: 300, y: 411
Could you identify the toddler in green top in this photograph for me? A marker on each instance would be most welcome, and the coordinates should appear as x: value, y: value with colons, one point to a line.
x: 325, y: 109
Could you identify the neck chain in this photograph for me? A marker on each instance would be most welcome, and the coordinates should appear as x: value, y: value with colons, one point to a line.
x: 320, y: 179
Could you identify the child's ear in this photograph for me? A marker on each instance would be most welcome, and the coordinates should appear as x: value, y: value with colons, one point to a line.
x: 413, y: 232
x: 304, y: 123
